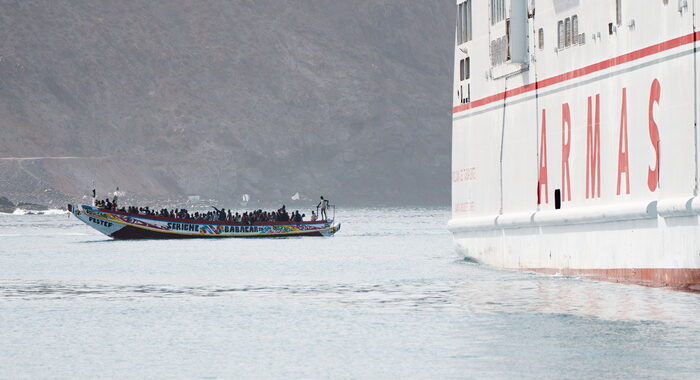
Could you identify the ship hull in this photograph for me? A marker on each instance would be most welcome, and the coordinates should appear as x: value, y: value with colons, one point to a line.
x: 644, y: 251
x: 680, y: 278
x: 577, y: 153
x: 123, y: 226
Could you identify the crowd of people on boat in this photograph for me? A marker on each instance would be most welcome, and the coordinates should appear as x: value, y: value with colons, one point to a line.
x: 222, y: 215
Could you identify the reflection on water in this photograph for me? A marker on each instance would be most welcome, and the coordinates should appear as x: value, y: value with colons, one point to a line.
x: 387, y: 297
x: 510, y: 293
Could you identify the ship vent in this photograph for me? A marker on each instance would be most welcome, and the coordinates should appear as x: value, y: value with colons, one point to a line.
x: 508, y: 32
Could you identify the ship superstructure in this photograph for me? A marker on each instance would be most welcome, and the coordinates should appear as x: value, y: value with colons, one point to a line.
x: 575, y: 139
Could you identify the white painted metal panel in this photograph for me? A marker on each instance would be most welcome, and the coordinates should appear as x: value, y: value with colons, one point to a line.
x: 620, y: 96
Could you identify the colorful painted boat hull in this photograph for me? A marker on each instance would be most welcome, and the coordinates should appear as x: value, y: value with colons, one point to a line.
x: 119, y: 225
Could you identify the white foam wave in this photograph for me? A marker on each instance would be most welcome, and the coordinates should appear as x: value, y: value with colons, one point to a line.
x: 53, y: 211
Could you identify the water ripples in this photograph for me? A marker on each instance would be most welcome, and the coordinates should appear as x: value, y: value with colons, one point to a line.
x: 544, y: 295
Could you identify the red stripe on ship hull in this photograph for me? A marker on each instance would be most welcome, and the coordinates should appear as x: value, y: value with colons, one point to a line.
x: 682, y: 278
x: 129, y: 232
x: 606, y: 64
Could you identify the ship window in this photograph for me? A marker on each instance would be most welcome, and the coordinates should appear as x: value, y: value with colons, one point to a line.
x: 567, y: 28
x: 498, y: 11
x: 507, y: 47
x: 618, y: 12
x: 464, y: 22
x: 574, y: 29
x: 561, y: 37
x: 466, y: 68
x: 540, y: 38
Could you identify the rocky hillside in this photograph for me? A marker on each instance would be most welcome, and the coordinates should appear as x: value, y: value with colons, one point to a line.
x: 166, y: 98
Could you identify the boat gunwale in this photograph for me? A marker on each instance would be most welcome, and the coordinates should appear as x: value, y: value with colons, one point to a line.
x: 197, y: 221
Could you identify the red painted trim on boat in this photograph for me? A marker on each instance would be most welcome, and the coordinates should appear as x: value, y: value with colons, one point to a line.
x: 684, y: 278
x: 606, y: 64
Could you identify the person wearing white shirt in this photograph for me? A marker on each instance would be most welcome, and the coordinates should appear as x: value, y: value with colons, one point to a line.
x: 323, y: 205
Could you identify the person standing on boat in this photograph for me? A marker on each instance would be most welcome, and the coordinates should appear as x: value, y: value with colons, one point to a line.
x: 116, y: 197
x: 323, y: 205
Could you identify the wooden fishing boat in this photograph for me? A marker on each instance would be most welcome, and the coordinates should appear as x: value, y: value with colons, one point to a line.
x: 122, y: 225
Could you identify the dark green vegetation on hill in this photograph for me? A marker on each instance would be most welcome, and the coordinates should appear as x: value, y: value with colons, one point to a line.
x: 220, y: 98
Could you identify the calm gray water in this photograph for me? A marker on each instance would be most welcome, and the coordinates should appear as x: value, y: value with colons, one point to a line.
x: 385, y: 298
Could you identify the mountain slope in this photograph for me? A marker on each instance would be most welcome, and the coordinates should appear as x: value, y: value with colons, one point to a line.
x: 220, y: 98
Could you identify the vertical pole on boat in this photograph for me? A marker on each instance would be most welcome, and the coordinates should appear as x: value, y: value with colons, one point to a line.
x: 94, y: 193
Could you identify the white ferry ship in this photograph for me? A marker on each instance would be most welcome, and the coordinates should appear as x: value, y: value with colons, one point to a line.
x: 575, y: 138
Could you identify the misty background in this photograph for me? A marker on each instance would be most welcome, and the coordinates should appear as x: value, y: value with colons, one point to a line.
x: 349, y: 99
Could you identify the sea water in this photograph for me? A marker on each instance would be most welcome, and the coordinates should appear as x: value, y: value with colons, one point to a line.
x: 387, y: 297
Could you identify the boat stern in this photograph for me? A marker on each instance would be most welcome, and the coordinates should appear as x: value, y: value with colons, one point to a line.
x: 333, y: 228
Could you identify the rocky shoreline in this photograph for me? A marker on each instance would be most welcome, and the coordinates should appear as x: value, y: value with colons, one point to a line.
x: 7, y: 206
